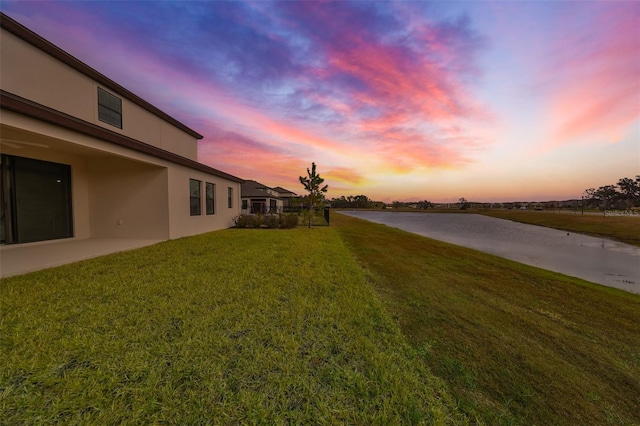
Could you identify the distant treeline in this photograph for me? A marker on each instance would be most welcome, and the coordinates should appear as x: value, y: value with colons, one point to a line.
x: 364, y: 202
x: 623, y: 195
x: 356, y: 202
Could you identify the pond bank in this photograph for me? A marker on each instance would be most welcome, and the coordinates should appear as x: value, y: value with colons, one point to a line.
x: 597, y: 260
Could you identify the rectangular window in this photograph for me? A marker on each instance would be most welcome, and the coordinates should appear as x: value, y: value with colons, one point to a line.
x: 109, y: 108
x: 210, y: 196
x: 244, y: 204
x: 273, y: 206
x: 194, y: 195
x: 230, y: 196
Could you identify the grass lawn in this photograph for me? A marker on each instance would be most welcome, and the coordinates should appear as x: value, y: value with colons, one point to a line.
x: 620, y: 228
x: 356, y: 323
x: 515, y: 344
x: 232, y: 327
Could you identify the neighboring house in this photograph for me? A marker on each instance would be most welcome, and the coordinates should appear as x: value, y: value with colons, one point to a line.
x: 83, y: 157
x: 259, y: 199
x: 290, y: 200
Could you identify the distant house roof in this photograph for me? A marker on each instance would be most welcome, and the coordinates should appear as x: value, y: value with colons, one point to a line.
x: 285, y: 192
x: 253, y: 189
x: 254, y: 184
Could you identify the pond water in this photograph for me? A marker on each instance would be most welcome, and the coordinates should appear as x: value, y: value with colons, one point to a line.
x: 598, y: 260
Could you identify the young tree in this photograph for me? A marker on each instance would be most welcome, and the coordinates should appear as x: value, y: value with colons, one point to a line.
x: 312, y: 184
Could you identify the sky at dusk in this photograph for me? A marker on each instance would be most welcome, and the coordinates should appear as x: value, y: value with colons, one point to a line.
x: 491, y: 101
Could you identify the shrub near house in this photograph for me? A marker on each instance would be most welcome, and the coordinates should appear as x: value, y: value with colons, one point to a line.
x: 281, y: 221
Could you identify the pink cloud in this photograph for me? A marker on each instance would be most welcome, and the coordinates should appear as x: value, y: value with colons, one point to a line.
x: 246, y: 157
x: 344, y: 175
x: 595, y: 84
x: 402, y: 99
x: 401, y: 86
x: 405, y: 150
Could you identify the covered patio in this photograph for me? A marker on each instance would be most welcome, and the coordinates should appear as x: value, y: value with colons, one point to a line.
x: 22, y: 258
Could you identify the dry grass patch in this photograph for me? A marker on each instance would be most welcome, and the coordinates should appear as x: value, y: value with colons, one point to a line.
x: 516, y: 344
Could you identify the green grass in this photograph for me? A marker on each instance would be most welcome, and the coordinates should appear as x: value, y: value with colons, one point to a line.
x: 619, y: 228
x: 515, y: 344
x: 231, y: 327
x: 356, y: 323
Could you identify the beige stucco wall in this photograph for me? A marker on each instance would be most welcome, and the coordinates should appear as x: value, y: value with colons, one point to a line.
x: 182, y: 223
x: 128, y: 199
x: 32, y: 74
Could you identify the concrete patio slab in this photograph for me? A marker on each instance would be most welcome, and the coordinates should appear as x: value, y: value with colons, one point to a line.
x: 22, y: 258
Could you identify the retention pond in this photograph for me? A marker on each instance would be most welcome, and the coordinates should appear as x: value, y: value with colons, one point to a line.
x: 598, y: 260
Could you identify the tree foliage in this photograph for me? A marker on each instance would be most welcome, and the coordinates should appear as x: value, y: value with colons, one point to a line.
x: 352, y: 202
x: 624, y: 194
x: 424, y: 205
x: 313, y: 185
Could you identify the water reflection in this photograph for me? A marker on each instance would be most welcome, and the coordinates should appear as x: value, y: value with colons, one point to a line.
x: 598, y: 260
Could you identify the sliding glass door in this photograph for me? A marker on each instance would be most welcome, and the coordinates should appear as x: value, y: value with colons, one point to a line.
x: 36, y: 200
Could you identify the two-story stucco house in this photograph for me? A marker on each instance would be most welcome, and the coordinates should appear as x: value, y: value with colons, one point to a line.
x: 83, y: 157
